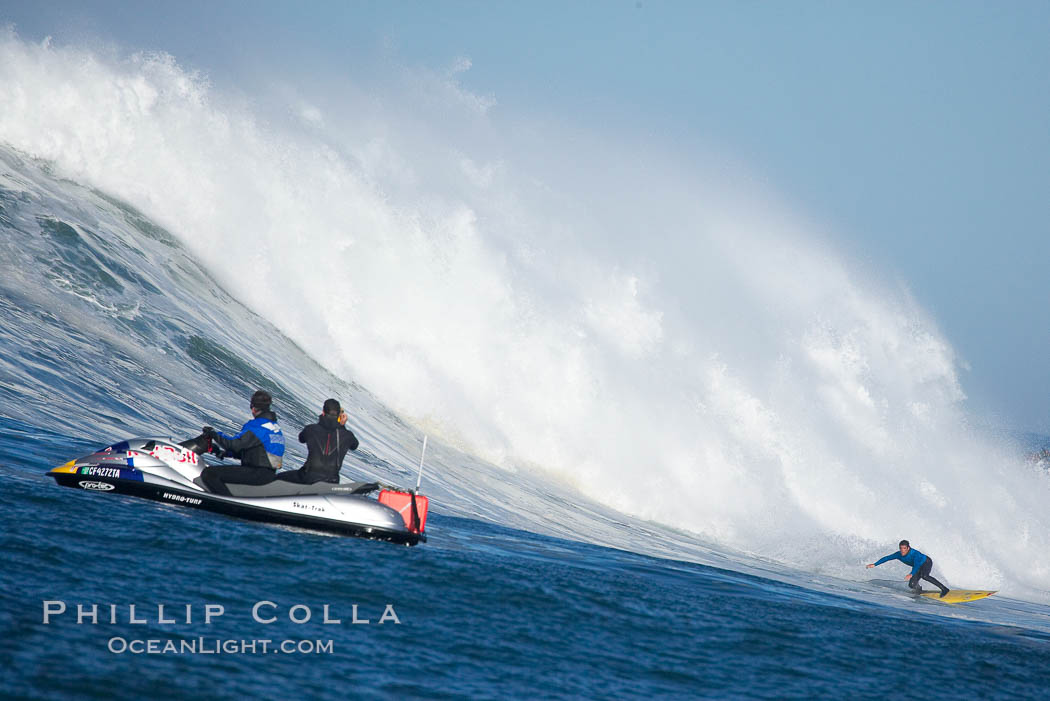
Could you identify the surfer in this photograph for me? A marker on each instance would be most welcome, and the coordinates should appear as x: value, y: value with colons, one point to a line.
x: 921, y: 566
x: 326, y: 443
x: 259, y: 445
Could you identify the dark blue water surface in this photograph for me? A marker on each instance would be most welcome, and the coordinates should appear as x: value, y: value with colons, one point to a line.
x: 484, y: 611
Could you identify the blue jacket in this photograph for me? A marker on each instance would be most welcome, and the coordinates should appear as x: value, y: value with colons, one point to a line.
x: 913, y: 558
x: 260, y: 442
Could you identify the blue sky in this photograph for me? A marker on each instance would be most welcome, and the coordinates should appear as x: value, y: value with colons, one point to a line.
x: 917, y: 132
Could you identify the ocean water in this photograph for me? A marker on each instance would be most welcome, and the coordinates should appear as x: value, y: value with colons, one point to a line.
x: 482, y: 611
x: 631, y: 496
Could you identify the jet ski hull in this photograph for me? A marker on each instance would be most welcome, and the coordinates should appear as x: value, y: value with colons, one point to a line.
x: 336, y: 509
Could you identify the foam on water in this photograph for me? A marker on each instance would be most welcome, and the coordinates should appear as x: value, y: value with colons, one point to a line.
x: 683, y: 351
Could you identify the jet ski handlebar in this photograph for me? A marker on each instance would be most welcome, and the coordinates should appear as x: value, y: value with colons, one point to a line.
x: 203, y: 444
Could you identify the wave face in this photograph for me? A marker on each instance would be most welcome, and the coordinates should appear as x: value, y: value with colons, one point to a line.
x: 584, y: 317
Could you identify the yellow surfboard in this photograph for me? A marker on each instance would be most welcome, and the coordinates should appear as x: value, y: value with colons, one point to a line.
x: 958, y: 596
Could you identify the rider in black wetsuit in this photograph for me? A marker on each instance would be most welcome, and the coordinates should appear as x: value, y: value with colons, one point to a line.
x: 259, y: 445
x: 326, y: 443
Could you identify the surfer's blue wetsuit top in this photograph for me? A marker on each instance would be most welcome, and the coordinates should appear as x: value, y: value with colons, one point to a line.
x: 260, y: 442
x: 913, y: 558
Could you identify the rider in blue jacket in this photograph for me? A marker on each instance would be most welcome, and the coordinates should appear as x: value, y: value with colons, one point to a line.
x: 921, y: 566
x: 259, y: 445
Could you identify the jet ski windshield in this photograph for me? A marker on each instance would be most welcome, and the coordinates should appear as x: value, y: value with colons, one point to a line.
x: 199, y: 445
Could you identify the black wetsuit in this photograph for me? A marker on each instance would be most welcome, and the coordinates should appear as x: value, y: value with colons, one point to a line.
x: 326, y: 444
x: 260, y: 447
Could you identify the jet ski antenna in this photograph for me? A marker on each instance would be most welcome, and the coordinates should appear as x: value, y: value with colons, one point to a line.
x: 419, y: 478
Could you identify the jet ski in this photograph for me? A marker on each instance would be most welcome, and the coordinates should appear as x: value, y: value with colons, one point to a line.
x: 168, y: 472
